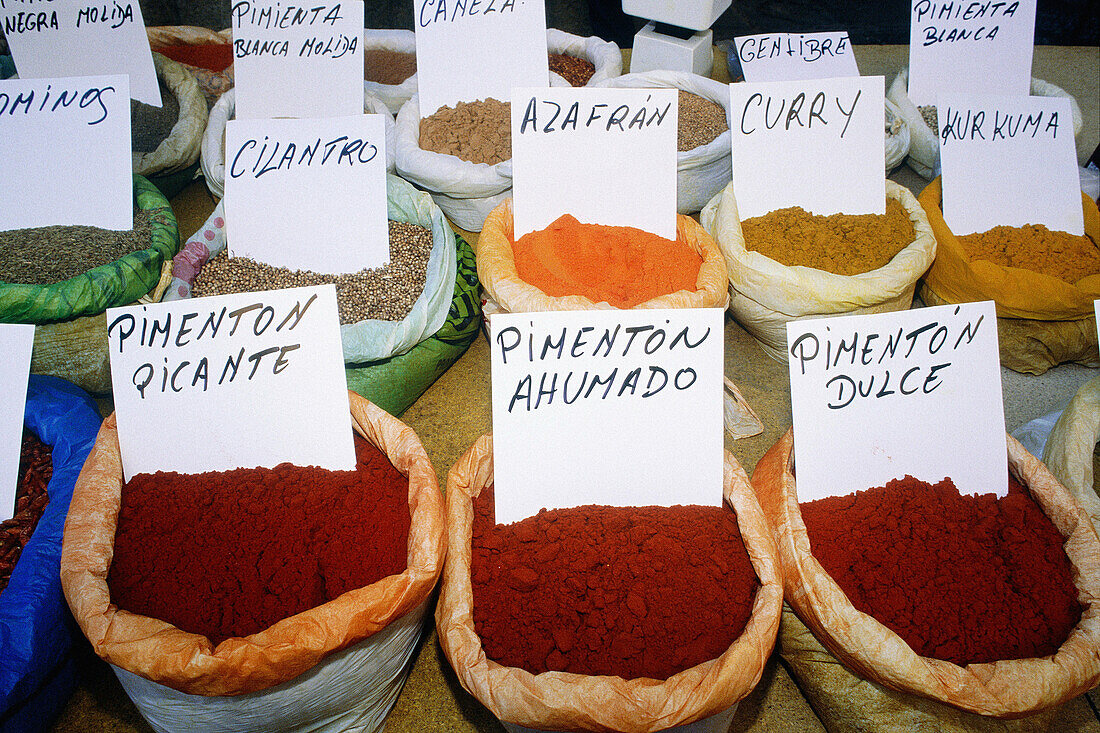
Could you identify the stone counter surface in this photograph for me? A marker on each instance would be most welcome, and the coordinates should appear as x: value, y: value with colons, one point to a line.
x: 456, y: 410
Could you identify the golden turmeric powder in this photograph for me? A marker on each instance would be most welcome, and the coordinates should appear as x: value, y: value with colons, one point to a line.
x: 843, y: 244
x: 1033, y: 247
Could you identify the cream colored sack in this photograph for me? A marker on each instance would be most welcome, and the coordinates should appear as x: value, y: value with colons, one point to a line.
x: 1072, y: 443
x: 496, y: 268
x: 182, y: 146
x: 564, y: 701
x: 764, y: 294
x: 187, y: 662
x: 1004, y: 689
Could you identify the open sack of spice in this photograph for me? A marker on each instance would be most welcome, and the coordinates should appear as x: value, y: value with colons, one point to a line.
x: 38, y: 672
x: 703, y: 165
x: 166, y: 140
x: 383, y: 311
x: 389, y: 66
x: 789, y: 264
x: 1070, y: 450
x: 581, y: 61
x: 259, y: 599
x: 985, y: 604
x: 206, y: 53
x: 636, y: 620
x: 63, y: 279
x: 575, y: 266
x: 924, y: 143
x: 212, y: 158
x: 1043, y: 282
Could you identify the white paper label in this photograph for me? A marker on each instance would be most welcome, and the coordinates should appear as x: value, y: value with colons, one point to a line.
x: 59, y: 38
x: 308, y: 194
x: 789, y: 56
x: 16, y: 341
x: 475, y: 49
x: 1009, y: 161
x: 297, y: 60
x: 970, y: 47
x: 606, y: 156
x: 619, y: 408
x: 231, y: 381
x: 815, y: 144
x: 70, y: 133
x: 876, y: 397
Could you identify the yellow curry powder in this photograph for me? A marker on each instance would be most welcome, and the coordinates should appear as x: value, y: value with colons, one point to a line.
x: 622, y: 266
x: 843, y: 244
x: 1069, y: 257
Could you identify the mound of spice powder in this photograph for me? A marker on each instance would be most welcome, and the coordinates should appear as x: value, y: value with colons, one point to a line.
x: 477, y: 132
x: 1066, y: 256
x: 385, y: 66
x: 966, y: 579
x: 229, y: 553
x: 31, y: 498
x: 622, y: 266
x: 843, y: 244
x: 596, y: 590
x: 699, y: 121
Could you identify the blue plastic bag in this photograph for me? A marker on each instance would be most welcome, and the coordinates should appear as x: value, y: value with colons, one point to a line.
x: 37, y: 668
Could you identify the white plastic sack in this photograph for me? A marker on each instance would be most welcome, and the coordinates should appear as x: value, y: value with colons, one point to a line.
x: 765, y: 294
x: 604, y: 55
x: 393, y: 96
x: 354, y: 689
x: 212, y: 161
x: 703, y: 172
x: 371, y: 339
x: 897, y: 136
x: 181, y: 148
x: 1069, y: 449
x: 924, y: 145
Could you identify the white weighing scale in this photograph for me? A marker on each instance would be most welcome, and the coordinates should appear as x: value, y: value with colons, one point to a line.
x: 677, y: 36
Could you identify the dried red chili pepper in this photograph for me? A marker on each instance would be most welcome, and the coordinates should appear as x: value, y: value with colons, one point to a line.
x: 627, y: 591
x: 31, y: 498
x: 228, y: 554
x: 966, y: 579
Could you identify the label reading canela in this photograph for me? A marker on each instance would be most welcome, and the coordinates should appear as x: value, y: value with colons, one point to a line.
x: 875, y: 397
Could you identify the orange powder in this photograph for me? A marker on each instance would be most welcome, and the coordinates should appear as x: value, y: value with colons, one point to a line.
x: 623, y: 266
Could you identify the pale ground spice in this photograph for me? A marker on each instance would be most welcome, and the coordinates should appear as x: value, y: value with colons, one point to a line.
x: 382, y: 293
x: 477, y: 132
x: 843, y: 244
x: 383, y: 66
x: 47, y: 255
x: 1033, y: 247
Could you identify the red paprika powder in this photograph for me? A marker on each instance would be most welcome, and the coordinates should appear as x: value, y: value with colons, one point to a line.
x: 31, y: 498
x: 210, y: 56
x: 966, y: 579
x: 598, y: 590
x: 622, y: 266
x: 229, y: 553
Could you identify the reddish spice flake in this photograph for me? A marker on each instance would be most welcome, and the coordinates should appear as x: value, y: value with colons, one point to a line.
x: 597, y: 590
x: 966, y: 579
x: 228, y: 554
x: 576, y: 71
x: 35, y: 471
x: 210, y: 56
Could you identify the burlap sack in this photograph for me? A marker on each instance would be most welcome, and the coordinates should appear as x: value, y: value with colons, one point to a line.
x: 765, y: 294
x: 1004, y: 689
x: 564, y: 701
x: 1071, y: 447
x: 496, y: 268
x: 1018, y: 293
x: 162, y: 653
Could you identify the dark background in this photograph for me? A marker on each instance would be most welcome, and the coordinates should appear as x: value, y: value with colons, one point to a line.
x: 1057, y: 22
